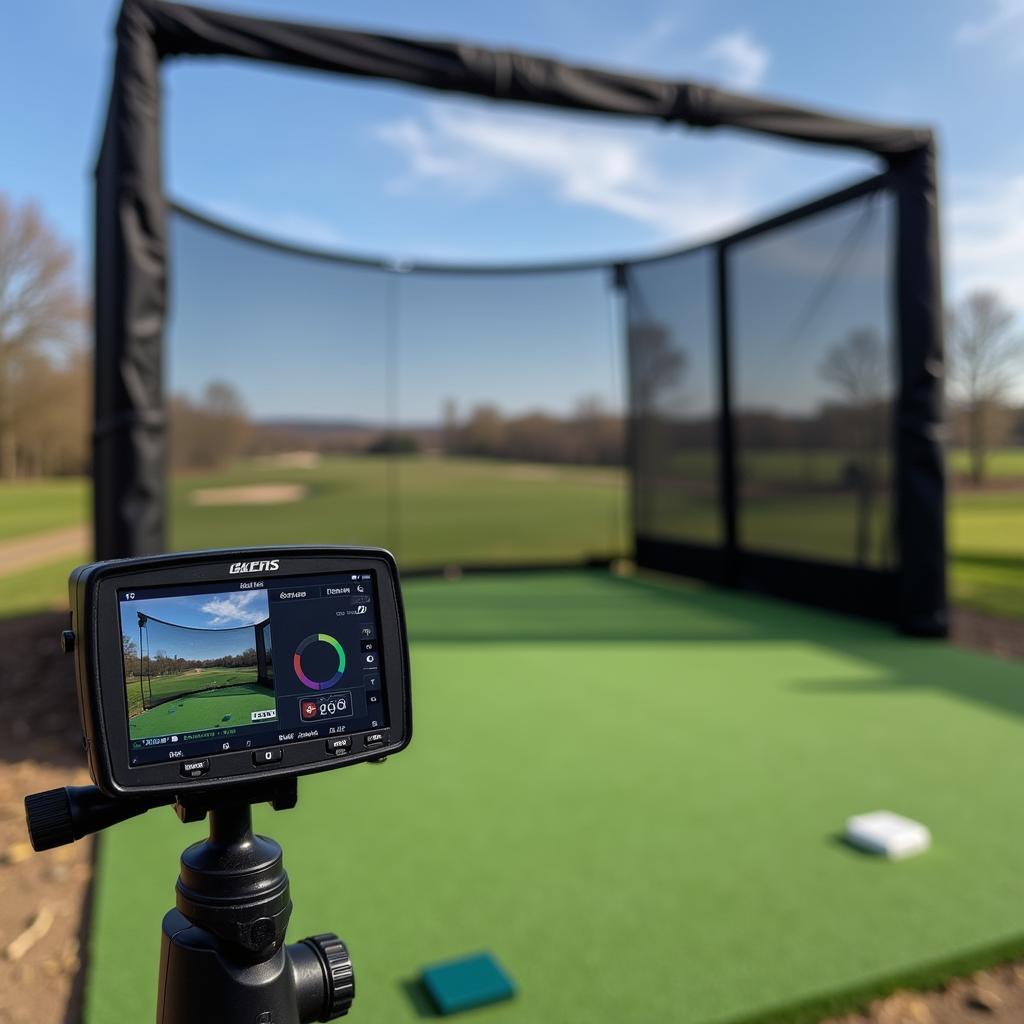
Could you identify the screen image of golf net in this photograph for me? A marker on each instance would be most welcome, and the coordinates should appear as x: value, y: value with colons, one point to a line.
x: 253, y: 663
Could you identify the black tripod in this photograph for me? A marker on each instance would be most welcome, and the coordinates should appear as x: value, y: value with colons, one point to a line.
x: 223, y: 958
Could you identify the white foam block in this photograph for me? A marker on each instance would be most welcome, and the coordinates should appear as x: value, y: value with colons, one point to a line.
x: 887, y: 834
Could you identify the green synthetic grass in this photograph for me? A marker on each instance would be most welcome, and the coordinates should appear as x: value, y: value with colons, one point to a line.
x: 226, y: 700
x: 630, y: 792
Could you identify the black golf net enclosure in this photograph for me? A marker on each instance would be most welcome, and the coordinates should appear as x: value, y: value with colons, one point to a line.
x: 175, y: 661
x: 764, y: 410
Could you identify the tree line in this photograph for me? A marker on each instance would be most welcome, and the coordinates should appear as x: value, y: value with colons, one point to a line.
x: 164, y: 664
x: 45, y: 419
x: 591, y: 435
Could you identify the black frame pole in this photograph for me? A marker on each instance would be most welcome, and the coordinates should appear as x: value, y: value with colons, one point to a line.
x: 920, y: 463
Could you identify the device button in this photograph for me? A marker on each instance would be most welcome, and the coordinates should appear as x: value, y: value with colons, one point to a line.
x: 194, y: 769
x: 375, y: 739
x: 266, y: 756
x: 67, y: 641
x: 339, y: 745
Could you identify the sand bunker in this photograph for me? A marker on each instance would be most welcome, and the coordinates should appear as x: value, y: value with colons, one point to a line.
x: 289, y: 460
x: 253, y: 494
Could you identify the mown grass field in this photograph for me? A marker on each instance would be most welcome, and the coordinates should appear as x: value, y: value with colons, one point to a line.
x: 448, y: 510
x: 36, y: 506
x: 220, y: 706
x: 164, y: 687
x: 466, y: 510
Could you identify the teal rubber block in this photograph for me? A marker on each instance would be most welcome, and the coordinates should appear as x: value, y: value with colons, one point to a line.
x: 467, y: 982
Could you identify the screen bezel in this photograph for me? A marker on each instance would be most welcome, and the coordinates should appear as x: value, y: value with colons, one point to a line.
x: 102, y: 667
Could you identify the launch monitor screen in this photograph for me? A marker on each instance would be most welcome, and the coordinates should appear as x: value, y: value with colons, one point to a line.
x: 216, y: 667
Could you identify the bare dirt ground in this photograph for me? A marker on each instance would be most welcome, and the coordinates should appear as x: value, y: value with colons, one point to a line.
x: 996, y: 997
x: 44, y: 898
x: 981, y: 632
x: 39, y: 548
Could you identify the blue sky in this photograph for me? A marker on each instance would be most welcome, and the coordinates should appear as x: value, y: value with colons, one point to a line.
x: 218, y: 614
x: 386, y: 170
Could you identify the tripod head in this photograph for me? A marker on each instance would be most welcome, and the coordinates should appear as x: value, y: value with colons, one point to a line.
x: 233, y: 903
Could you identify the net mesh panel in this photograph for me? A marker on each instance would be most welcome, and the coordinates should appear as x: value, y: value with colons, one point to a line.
x: 302, y: 344
x: 457, y: 418
x: 177, y: 661
x: 673, y: 355
x: 519, y: 375
x: 813, y: 383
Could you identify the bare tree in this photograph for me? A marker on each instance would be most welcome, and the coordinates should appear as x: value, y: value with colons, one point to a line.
x: 657, y: 366
x: 857, y: 368
x: 210, y: 432
x: 53, y: 411
x: 449, y: 425
x: 984, y: 361
x: 41, y: 314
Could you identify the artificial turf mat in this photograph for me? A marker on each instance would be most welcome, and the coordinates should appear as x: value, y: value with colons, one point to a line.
x: 631, y: 793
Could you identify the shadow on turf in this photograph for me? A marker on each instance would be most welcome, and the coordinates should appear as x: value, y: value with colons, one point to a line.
x: 596, y: 607
x: 839, y: 841
x: 418, y: 998
x: 996, y: 689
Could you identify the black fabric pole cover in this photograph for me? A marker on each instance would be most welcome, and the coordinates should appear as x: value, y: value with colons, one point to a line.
x: 920, y: 463
x: 129, y: 443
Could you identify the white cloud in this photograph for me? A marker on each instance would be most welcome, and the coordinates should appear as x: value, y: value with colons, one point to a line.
x: 476, y: 153
x: 985, y: 221
x: 738, y: 58
x: 1001, y: 17
x: 237, y: 609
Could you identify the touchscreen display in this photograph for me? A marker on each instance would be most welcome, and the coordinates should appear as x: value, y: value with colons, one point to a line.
x: 219, y: 667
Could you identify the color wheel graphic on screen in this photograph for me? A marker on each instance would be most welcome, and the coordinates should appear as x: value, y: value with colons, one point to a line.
x: 318, y: 684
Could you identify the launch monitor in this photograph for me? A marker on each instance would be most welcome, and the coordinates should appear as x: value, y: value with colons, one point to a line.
x: 207, y: 669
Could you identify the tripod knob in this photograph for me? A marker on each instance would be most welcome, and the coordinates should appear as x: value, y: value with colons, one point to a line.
x: 50, y: 821
x: 340, y: 977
